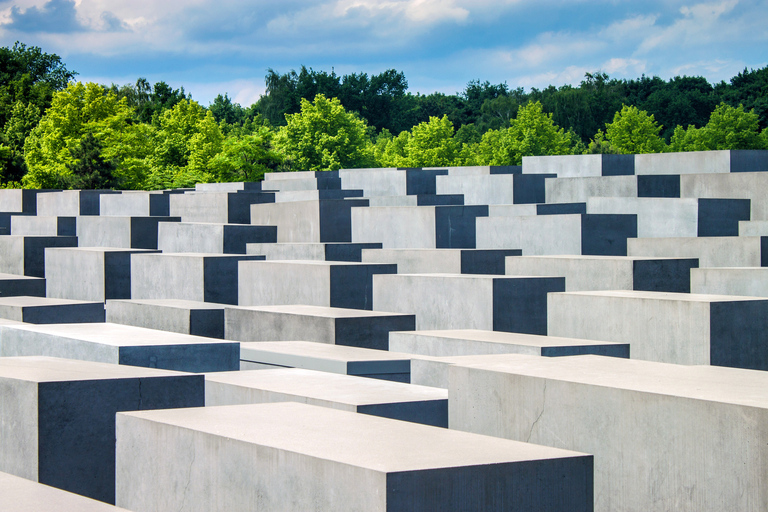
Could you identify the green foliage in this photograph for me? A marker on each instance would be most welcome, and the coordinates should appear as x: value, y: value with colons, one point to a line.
x: 247, y: 158
x: 88, y: 169
x: 431, y: 144
x: 633, y: 131
x: 149, y: 101
x: 728, y: 128
x: 325, y: 137
x: 600, y: 146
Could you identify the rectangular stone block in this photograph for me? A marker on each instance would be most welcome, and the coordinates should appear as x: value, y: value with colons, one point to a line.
x: 198, y: 277
x: 30, y: 225
x: 137, y: 204
x: 600, y: 235
x: 289, y: 196
x: 217, y: 207
x: 579, y: 189
x: 308, y: 221
x: 332, y: 251
x: 702, y: 162
x: 417, y: 200
x: 42, y: 310
x: 125, y: 232
x: 326, y: 181
x: 387, y: 399
x: 481, y: 170
x: 462, y: 301
x: 20, y: 200
x: 70, y: 203
x: 664, y: 437
x: 746, y: 281
x: 352, y: 327
x: 568, y: 166
x: 315, y: 283
x: 391, y: 181
x: 442, y: 261
x: 182, y: 316
x: 462, y: 342
x: 120, y: 345
x: 12, y: 285
x: 101, y: 272
x: 585, y: 273
x: 22, y: 495
x: 25, y: 255
x: 522, y: 210
x: 418, y: 227
x: 58, y: 415
x: 748, y: 185
x: 327, y: 459
x: 345, y: 360
x: 211, y: 238
x: 753, y: 228
x: 234, y: 186
x: 741, y: 251
x: 677, y: 328
x: 495, y: 188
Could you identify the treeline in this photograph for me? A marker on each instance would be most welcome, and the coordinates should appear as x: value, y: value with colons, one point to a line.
x: 58, y: 133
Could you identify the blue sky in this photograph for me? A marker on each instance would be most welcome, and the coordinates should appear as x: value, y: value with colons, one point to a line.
x: 212, y: 47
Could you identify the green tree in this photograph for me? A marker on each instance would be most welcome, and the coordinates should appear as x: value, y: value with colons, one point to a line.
x: 431, y: 144
x: 633, y: 131
x: 728, y: 128
x: 247, y: 158
x: 88, y: 169
x: 325, y: 137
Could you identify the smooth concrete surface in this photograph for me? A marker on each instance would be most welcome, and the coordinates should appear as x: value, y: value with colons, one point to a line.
x: 136, y: 204
x: 741, y: 251
x: 584, y: 273
x: 22, y: 495
x: 217, y: 207
x: 288, y: 196
x: 568, y: 166
x: 185, y: 237
x: 120, y: 345
x: 702, y: 162
x: 664, y: 437
x: 495, y: 188
x: 298, y: 457
x: 433, y: 371
x: 753, y: 228
x: 31, y: 225
x: 339, y: 326
x: 89, y: 273
x: 361, y: 362
x: 70, y: 203
x: 58, y: 418
x: 331, y: 251
x: 333, y: 284
x: 187, y: 276
x: 392, y: 182
x: 309, y: 221
x: 442, y: 261
x: 13, y: 285
x: 126, y: 232
x: 465, y: 342
x: 679, y: 328
x: 234, y: 186
x: 42, y: 310
x: 20, y: 200
x: 173, y: 315
x: 747, y: 281
x: 742, y: 185
x: 464, y: 301
x: 573, y: 190
x: 395, y: 400
x: 25, y: 255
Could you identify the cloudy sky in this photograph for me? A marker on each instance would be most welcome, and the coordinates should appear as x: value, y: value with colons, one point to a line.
x: 217, y: 46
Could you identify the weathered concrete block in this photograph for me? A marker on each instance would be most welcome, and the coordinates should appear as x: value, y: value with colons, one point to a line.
x: 395, y: 400
x: 462, y: 301
x: 462, y: 342
x: 332, y: 251
x: 70, y: 203
x: 217, y: 207
x: 120, y: 344
x: 480, y: 170
x: 125, y: 232
x: 662, y: 435
x: 749, y: 185
x: 199, y: 277
x: 495, y: 188
x: 747, y: 281
x: 353, y: 327
x: 333, y: 284
x: 741, y: 251
x: 333, y: 460
x: 25, y: 255
x: 442, y: 261
x: 356, y: 361
x: 102, y: 272
x: 42, y: 310
x: 521, y: 210
x: 418, y: 227
x: 329, y: 181
x: 22, y: 495
x: 601, y: 235
x: 58, y: 415
x: 30, y: 225
x: 20, y: 200
x: 234, y: 186
x: 677, y: 328
x: 308, y: 221
x: 315, y: 195
x: 391, y: 182
x: 137, y: 204
x: 12, y: 285
x: 702, y: 162
x: 568, y: 166
x: 211, y: 238
x: 753, y: 228
x: 584, y: 273
x: 182, y: 316
x: 579, y: 189
x: 417, y: 200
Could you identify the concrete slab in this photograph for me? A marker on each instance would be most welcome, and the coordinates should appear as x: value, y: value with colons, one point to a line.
x: 219, y: 207
x: 234, y: 186
x: 521, y: 210
x: 746, y: 281
x: 495, y: 188
x: 753, y: 228
x: 187, y: 276
x: 120, y: 345
x: 22, y: 495
x: 339, y: 326
x: 417, y: 200
x: 747, y: 185
x: 136, y: 204
x: 567, y: 166
x: 102, y: 272
x: 677, y: 328
x: 211, y: 238
x: 741, y: 251
x: 391, y: 181
x: 58, y: 415
x: 702, y: 162
x: 387, y: 399
x: 329, y: 181
x: 332, y: 251
x: 13, y: 285
x: 326, y: 220
x: 584, y: 273
x: 288, y: 196
x: 662, y: 435
x: 20, y: 200
x: 442, y: 261
x: 42, y: 310
x: 126, y: 232
x: 464, y: 301
x: 31, y: 225
x: 70, y: 203
x: 333, y: 460
x: 579, y: 189
x: 360, y: 362
x: 333, y: 284
x: 173, y: 315
x: 25, y: 255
